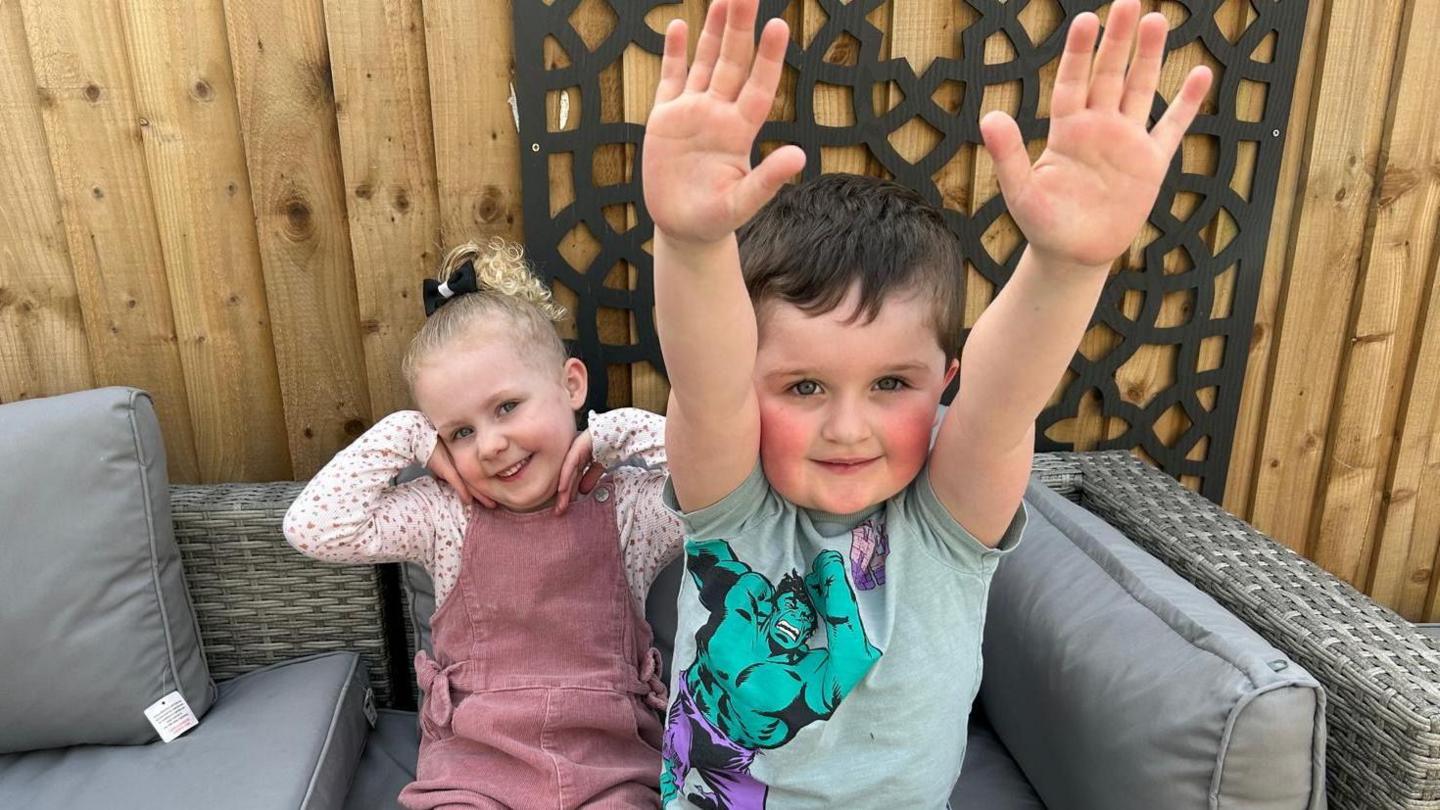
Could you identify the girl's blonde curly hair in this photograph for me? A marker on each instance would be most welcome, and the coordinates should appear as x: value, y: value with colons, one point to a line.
x: 509, y: 290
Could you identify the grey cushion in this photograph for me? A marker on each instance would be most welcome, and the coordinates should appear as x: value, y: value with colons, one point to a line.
x: 97, y: 625
x: 419, y: 591
x: 287, y: 736
x: 990, y: 779
x: 1115, y: 683
x: 388, y: 764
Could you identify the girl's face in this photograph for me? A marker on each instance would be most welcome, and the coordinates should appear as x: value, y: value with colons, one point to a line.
x: 506, y: 420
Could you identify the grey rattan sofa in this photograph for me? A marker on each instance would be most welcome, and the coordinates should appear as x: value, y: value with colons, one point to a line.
x: 258, y: 602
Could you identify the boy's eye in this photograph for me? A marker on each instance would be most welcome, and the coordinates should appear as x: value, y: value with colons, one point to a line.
x: 460, y: 433
x: 890, y: 384
x: 806, y: 388
x: 508, y: 406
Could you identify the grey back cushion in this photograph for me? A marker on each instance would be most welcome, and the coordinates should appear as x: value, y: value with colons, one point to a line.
x: 95, y: 621
x: 1116, y: 683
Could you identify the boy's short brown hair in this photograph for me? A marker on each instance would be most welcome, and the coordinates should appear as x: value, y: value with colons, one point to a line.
x: 817, y: 239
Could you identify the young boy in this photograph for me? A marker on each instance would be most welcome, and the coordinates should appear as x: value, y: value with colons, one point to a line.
x: 828, y: 647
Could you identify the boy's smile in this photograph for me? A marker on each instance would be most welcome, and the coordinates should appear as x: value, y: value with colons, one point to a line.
x: 847, y: 407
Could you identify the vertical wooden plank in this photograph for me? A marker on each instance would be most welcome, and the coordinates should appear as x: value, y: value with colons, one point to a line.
x: 594, y: 21
x: 1412, y: 502
x: 1341, y: 163
x: 1385, y: 335
x: 648, y: 389
x: 382, y: 104
x: 43, y: 350
x: 190, y: 132
x: 1154, y: 368
x: 834, y: 105
x: 1245, y: 456
x: 1411, y: 517
x: 287, y: 116
x: 470, y: 48
x: 93, y: 128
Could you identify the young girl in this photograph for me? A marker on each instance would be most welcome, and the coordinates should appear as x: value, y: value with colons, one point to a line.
x: 543, y: 689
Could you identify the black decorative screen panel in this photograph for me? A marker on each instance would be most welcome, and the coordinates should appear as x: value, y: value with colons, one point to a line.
x: 897, y: 90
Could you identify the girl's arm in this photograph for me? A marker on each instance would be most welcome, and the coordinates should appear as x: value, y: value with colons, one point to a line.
x: 628, y: 437
x: 651, y: 536
x: 352, y: 511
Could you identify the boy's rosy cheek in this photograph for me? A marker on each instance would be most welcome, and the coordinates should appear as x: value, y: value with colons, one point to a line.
x: 908, y: 438
x: 785, y: 439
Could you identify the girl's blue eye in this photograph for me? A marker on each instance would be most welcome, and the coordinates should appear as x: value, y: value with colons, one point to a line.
x: 890, y: 384
x: 806, y: 388
x: 461, y: 433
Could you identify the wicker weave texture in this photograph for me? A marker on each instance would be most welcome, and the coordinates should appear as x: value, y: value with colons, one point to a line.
x: 258, y: 600
x: 1381, y: 676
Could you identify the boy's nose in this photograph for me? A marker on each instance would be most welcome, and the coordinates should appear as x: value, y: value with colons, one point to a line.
x: 845, y: 425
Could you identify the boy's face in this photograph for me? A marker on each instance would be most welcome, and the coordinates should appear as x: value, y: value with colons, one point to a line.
x: 846, y: 409
x: 507, y: 422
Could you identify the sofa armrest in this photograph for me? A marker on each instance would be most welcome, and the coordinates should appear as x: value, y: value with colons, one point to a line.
x: 258, y: 600
x: 1381, y: 675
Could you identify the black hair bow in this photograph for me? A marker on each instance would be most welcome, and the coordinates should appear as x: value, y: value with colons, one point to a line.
x: 460, y: 282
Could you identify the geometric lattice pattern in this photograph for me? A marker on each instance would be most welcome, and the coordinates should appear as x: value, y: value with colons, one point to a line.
x: 1162, y: 366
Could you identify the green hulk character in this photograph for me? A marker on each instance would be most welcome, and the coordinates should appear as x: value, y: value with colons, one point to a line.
x: 755, y: 681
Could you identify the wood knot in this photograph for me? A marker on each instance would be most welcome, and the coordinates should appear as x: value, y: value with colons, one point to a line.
x: 299, y: 224
x: 92, y: 93
x: 489, y: 205
x: 202, y: 91
x: 354, y: 427
x: 400, y: 200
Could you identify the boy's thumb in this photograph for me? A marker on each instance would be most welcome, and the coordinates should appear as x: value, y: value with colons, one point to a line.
x: 1007, y: 149
x: 764, y: 180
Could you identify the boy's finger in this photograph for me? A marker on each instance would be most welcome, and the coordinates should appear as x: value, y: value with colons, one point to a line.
x: 672, y: 64
x: 1007, y: 149
x: 736, y: 51
x: 759, y: 92
x: 1072, y: 80
x: 590, y: 478
x: 708, y: 48
x: 764, y: 180
x: 1108, y: 83
x: 1171, y: 127
x: 1144, y: 73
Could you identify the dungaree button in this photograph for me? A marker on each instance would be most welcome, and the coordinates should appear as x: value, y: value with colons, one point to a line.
x: 602, y: 494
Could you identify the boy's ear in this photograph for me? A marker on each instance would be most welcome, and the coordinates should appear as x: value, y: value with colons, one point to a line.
x: 950, y: 371
x: 576, y: 379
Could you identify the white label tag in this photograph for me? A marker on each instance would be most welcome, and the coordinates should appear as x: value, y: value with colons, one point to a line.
x: 370, y: 713
x: 171, y: 716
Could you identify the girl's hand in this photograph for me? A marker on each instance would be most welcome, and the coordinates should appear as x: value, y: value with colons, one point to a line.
x: 579, y: 473
x: 698, y: 183
x: 1087, y: 195
x: 443, y: 467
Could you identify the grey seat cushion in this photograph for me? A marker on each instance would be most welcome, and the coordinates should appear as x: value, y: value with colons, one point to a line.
x: 287, y: 736
x: 97, y: 624
x: 1115, y: 683
x: 991, y: 779
x: 388, y: 764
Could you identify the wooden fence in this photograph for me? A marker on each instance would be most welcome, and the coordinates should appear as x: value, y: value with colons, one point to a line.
x: 231, y: 204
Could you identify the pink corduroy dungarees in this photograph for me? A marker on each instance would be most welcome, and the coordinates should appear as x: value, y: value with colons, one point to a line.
x: 544, y: 688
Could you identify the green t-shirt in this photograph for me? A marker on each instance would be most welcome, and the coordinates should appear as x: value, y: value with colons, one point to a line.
x: 824, y: 660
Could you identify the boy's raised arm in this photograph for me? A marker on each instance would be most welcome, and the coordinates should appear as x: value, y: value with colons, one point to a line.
x: 699, y: 188
x: 1079, y: 206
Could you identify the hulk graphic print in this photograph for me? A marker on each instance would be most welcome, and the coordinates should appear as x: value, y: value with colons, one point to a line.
x: 755, y: 681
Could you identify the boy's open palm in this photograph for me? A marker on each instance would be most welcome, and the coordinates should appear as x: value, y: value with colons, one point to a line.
x: 699, y: 186
x: 1087, y: 195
